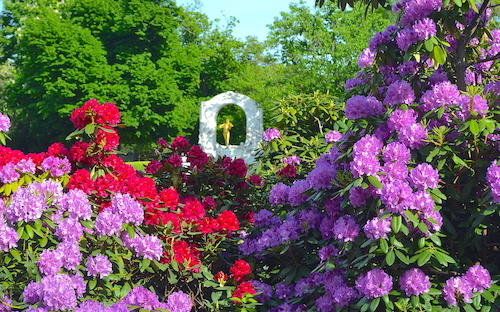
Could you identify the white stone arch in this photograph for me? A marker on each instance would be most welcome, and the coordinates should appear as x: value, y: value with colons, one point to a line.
x: 208, y: 125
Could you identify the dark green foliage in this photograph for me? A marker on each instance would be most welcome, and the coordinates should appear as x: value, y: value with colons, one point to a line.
x: 237, y: 117
x: 127, y: 52
x: 156, y: 61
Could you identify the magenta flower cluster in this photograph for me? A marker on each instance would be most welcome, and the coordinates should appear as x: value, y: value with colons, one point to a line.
x: 123, y: 209
x: 271, y: 134
x: 374, y: 284
x: 363, y: 106
x: 4, y: 123
x: 99, y: 265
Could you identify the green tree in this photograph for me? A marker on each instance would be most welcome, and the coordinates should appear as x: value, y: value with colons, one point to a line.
x: 320, y: 47
x: 307, y: 50
x: 129, y: 52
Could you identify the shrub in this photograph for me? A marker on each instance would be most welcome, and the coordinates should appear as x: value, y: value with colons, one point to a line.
x: 401, y: 213
x: 83, y: 230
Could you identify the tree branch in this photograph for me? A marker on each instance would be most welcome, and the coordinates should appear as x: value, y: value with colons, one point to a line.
x: 469, y: 31
x: 491, y: 58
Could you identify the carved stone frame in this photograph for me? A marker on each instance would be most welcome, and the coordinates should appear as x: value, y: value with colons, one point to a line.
x: 208, y: 125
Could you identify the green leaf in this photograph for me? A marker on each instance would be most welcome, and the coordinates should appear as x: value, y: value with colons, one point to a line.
x: 374, y: 304
x: 366, y: 243
x: 125, y: 289
x: 435, y: 239
x: 396, y: 222
x: 145, y: 264
x: 401, y: 256
x: 476, y: 302
x: 290, y: 276
x: 429, y: 46
x: 424, y: 257
x: 131, y: 231
x: 274, y: 145
x: 43, y: 241
x: 459, y: 161
x: 439, y: 256
x: 434, y: 292
x: 438, y: 193
x: 15, y: 254
x: 90, y: 128
x: 383, y: 245
x: 421, y: 242
x: 423, y: 227
x: 474, y: 127
x: 488, y: 295
x: 439, y: 55
x: 448, y: 258
x: 473, y: 6
x: 469, y: 308
x: 440, y: 112
x: 29, y: 230
x: 415, y: 301
x: 92, y: 284
x: 412, y: 217
x: 390, y: 257
x: 375, y: 181
x: 107, y: 130
x: 357, y: 182
x: 486, y: 308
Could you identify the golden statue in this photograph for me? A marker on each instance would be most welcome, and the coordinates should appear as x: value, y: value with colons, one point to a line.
x: 226, y: 127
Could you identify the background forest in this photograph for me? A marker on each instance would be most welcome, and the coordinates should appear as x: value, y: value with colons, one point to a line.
x: 157, y: 61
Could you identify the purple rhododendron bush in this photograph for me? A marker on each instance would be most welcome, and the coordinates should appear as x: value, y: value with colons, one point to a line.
x: 402, y: 213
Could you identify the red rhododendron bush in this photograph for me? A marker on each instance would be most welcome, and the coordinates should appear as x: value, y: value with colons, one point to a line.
x: 82, y: 230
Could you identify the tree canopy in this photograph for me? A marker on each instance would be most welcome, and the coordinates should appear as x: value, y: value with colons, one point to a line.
x: 308, y: 50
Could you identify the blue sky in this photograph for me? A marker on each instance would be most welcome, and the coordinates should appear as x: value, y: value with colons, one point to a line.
x: 253, y: 15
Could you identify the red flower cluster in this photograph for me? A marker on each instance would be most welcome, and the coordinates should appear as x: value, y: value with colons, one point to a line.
x: 228, y: 221
x: 169, y: 198
x: 8, y: 155
x: 78, y: 153
x: 221, y: 278
x: 243, y: 288
x: 107, y: 138
x: 192, y: 209
x: 255, y: 179
x: 240, y: 270
x: 184, y: 253
x: 124, y: 179
x: 153, y: 166
x: 175, y: 160
x: 179, y: 144
x: 288, y: 171
x: 57, y: 149
x: 237, y: 168
x: 197, y: 158
x: 93, y: 112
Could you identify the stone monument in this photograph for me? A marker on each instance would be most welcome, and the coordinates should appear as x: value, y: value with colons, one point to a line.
x: 208, y: 126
